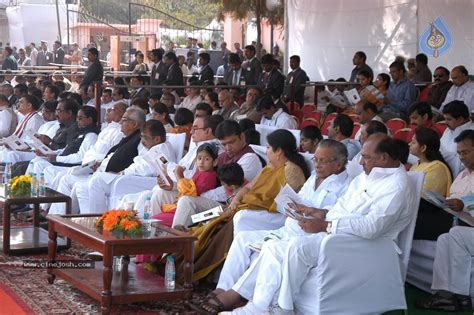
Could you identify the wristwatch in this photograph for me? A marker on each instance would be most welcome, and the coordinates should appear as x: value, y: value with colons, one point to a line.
x: 328, y: 228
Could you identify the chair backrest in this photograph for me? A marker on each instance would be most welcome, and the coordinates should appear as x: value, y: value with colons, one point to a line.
x: 402, y: 134
x: 265, y: 130
x: 405, y: 238
x: 307, y: 108
x: 177, y: 141
x: 314, y: 114
x: 309, y: 122
x: 395, y: 124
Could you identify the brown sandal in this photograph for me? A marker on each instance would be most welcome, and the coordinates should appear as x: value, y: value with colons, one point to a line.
x: 216, y: 308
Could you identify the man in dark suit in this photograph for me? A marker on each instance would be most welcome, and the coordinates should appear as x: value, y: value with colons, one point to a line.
x: 9, y: 63
x: 140, y: 92
x: 45, y: 57
x: 252, y: 66
x: 235, y: 74
x: 294, y: 80
x: 159, y: 71
x: 271, y: 80
x: 58, y: 54
x: 94, y: 72
x: 175, y: 74
x: 206, y: 74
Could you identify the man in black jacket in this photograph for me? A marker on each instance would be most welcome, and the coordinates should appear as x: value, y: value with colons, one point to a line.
x: 159, y: 71
x: 9, y: 63
x: 271, y: 80
x: 235, y: 73
x: 175, y: 74
x: 58, y: 53
x: 117, y: 159
x: 94, y: 72
x: 206, y: 73
x: 252, y: 66
x: 294, y: 80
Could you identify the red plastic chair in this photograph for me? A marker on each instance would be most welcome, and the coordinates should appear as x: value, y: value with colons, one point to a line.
x: 403, y: 134
x: 355, y: 130
x: 395, y: 124
x: 316, y: 115
x: 440, y: 126
x: 309, y: 122
x: 299, y: 115
x: 327, y: 122
x: 424, y: 94
x: 354, y: 118
x: 308, y: 108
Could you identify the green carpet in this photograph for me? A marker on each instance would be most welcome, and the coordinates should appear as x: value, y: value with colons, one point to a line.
x: 413, y: 294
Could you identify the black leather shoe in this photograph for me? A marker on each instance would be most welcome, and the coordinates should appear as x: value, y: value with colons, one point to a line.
x: 464, y: 302
x: 438, y: 302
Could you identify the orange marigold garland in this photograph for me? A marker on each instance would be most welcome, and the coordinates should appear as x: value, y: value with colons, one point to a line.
x: 119, y: 220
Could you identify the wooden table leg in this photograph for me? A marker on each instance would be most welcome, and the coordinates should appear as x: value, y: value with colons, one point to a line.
x: 188, y: 268
x: 107, y: 279
x: 6, y: 227
x: 36, y: 214
x: 52, y: 248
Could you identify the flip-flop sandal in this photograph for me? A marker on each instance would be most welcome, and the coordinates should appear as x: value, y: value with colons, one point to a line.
x: 216, y: 308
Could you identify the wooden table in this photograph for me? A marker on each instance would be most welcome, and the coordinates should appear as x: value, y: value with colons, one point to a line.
x: 132, y: 283
x: 30, y: 239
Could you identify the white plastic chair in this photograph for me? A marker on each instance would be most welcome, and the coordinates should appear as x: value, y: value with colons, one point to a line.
x: 177, y: 140
x: 360, y: 276
x: 265, y: 130
x: 130, y: 184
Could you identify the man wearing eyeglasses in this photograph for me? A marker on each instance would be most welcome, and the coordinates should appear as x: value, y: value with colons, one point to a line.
x: 462, y: 89
x: 440, y: 87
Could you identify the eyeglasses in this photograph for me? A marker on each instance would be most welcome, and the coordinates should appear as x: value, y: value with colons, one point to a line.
x: 319, y: 161
x: 437, y: 76
x: 126, y: 119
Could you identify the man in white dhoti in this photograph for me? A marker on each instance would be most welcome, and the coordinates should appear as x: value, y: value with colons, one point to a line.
x: 375, y: 205
x: 455, y: 250
x: 322, y: 189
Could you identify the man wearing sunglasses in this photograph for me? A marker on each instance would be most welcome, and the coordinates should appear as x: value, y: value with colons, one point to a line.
x: 440, y: 87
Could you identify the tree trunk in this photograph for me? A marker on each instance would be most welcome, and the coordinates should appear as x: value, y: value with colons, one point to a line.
x: 258, y: 18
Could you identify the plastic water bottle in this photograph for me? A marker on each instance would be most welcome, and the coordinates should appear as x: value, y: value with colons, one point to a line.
x: 34, y: 185
x: 147, y: 215
x: 41, y: 185
x: 169, y: 273
x: 7, y: 176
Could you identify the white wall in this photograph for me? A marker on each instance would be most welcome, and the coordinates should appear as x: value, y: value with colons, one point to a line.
x: 326, y: 33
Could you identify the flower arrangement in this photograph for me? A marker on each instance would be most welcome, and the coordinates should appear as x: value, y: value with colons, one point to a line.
x: 120, y: 221
x: 20, y: 185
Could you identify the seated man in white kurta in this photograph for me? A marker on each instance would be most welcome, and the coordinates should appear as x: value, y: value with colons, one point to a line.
x: 376, y: 205
x: 92, y: 195
x: 322, y: 189
x: 108, y: 137
x: 74, y: 151
x: 117, y: 159
x: 202, y: 132
x: 455, y: 250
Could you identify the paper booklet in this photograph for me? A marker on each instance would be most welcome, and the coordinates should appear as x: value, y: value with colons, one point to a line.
x: 159, y: 165
x: 284, y: 201
x: 439, y: 201
x: 15, y: 143
x: 207, y: 215
x: 38, y: 145
x: 84, y: 169
x: 352, y: 96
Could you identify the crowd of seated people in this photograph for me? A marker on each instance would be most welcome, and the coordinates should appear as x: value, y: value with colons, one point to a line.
x: 349, y: 163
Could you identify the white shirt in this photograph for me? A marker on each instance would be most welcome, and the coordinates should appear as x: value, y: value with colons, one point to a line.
x: 107, y: 138
x: 190, y: 102
x: 447, y: 139
x: 353, y: 166
x: 141, y: 167
x: 281, y: 120
x: 353, y: 147
x: 76, y: 158
x: 463, y: 93
x: 375, y: 205
x: 33, y: 124
x: 49, y: 128
x: 6, y: 117
x: 357, y: 135
x: 322, y: 197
